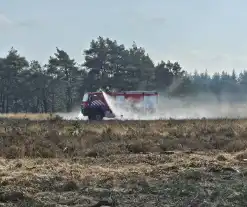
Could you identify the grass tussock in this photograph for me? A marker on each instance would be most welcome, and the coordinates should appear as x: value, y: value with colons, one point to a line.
x: 51, y: 161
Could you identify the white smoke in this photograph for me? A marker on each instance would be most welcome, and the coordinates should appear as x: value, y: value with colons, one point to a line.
x: 201, y: 106
x: 75, y: 115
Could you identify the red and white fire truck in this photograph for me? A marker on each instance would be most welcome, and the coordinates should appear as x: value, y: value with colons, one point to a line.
x: 95, y: 107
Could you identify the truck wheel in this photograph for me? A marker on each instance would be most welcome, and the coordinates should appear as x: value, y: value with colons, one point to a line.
x: 98, y: 117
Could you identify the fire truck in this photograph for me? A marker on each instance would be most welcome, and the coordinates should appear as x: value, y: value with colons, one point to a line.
x: 95, y: 106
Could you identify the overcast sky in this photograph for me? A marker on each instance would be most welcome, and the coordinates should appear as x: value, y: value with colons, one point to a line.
x: 199, y: 34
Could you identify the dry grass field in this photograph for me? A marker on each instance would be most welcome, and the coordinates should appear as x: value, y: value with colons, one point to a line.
x: 29, y: 116
x: 137, y: 163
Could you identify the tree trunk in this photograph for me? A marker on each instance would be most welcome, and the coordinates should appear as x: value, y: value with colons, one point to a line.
x: 44, y: 100
x: 7, y: 105
x: 69, y: 99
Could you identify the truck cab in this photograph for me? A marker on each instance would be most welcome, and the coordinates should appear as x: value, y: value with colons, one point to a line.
x: 94, y: 106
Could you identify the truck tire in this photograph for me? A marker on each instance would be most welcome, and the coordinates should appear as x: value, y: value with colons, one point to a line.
x: 96, y: 116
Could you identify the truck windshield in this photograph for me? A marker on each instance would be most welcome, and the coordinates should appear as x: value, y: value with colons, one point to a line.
x: 85, y: 97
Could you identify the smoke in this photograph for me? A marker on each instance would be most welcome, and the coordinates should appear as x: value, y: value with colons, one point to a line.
x: 197, y: 107
x: 75, y: 114
x: 201, y: 106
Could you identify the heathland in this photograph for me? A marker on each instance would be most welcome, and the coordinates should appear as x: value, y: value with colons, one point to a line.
x: 54, y: 162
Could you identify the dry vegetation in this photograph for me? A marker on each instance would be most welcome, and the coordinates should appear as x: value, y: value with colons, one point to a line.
x: 29, y: 116
x: 142, y: 163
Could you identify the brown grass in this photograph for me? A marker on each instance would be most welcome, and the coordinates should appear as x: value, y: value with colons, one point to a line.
x: 30, y: 116
x: 136, y: 163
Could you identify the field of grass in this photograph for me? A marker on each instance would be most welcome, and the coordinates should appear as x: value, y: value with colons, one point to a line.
x: 136, y: 163
x: 34, y: 116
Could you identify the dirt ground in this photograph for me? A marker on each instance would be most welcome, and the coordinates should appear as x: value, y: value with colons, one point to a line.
x: 138, y: 163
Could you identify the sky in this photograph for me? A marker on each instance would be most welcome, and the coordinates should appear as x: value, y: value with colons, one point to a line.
x: 199, y: 34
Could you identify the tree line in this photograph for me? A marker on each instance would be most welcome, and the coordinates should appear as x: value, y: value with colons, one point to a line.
x: 59, y: 85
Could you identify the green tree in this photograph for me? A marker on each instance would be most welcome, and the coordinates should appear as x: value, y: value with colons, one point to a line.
x: 65, y: 74
x: 97, y: 63
x: 144, y: 67
x: 163, y: 76
x: 11, y: 67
